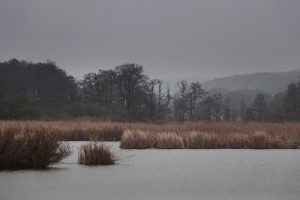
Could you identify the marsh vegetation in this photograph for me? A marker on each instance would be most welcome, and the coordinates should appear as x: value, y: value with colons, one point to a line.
x: 96, y: 153
x: 33, y: 148
x: 191, y: 135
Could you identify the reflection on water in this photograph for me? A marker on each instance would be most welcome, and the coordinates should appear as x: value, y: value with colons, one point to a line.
x: 163, y: 174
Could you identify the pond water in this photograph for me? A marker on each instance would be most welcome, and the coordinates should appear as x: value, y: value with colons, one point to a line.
x: 163, y: 174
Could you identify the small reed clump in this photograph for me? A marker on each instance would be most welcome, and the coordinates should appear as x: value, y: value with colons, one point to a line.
x: 96, y: 153
x: 30, y: 148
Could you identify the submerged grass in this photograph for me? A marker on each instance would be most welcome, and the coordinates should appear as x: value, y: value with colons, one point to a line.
x: 96, y: 153
x: 30, y: 148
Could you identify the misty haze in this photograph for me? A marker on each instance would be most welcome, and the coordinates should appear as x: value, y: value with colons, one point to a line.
x: 161, y: 99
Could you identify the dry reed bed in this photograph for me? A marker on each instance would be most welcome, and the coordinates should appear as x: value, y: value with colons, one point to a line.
x: 209, y: 135
x: 74, y: 130
x: 30, y: 148
x: 96, y: 153
x: 201, y: 140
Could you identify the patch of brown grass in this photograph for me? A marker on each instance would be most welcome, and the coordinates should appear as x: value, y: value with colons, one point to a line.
x: 96, y: 153
x: 202, y: 140
x: 74, y: 130
x: 30, y: 148
x: 112, y: 133
x: 173, y: 135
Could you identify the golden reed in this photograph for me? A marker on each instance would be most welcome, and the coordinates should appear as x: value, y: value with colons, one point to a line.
x: 30, y: 148
x: 96, y: 153
x: 173, y: 135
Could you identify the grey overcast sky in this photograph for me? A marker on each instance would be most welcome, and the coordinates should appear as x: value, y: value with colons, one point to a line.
x: 170, y: 38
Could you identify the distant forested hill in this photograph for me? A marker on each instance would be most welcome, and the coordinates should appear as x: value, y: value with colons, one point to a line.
x: 272, y: 82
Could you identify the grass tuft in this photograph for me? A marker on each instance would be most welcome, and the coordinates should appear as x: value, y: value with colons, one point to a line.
x: 96, y: 153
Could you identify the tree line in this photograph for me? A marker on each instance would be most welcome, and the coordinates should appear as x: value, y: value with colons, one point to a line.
x: 125, y: 93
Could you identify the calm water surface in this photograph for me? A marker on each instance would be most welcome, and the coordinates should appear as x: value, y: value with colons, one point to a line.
x: 163, y: 175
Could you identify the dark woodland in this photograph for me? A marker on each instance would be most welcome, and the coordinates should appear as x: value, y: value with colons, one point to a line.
x: 125, y: 93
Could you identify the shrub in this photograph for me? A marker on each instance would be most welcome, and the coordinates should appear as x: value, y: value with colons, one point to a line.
x: 30, y: 148
x: 96, y: 153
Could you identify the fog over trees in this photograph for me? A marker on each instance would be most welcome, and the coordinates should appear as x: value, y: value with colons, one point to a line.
x: 125, y: 93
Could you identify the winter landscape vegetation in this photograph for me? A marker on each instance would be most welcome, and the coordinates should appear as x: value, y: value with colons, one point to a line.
x: 149, y: 100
